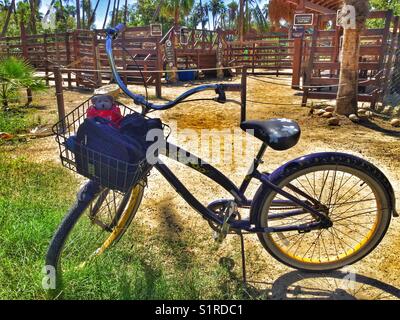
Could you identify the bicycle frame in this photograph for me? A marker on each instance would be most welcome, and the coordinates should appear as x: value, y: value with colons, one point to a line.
x: 211, y: 172
x: 238, y: 193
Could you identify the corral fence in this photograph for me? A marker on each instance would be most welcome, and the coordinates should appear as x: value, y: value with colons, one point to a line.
x: 267, y: 53
x: 392, y: 92
x: 81, y: 55
x: 320, y: 64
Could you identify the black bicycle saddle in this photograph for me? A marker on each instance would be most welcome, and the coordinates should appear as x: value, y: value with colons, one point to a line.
x: 279, y: 134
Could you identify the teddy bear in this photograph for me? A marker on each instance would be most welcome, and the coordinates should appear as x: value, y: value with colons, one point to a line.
x: 104, y: 106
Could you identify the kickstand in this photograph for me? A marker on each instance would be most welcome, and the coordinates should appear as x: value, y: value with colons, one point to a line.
x: 243, y: 258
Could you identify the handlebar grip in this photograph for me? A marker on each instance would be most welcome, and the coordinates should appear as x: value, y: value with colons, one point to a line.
x: 120, y: 28
x: 113, y: 32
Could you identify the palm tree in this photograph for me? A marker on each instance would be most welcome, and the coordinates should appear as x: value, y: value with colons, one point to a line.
x: 347, y: 96
x: 126, y: 12
x: 196, y: 16
x: 78, y: 14
x: 10, y: 8
x: 241, y: 20
x: 204, y: 17
x: 216, y: 7
x: 15, y: 74
x: 176, y: 9
x: 232, y: 12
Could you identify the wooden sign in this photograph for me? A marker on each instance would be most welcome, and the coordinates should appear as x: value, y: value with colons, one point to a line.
x: 220, y: 52
x: 298, y: 32
x: 184, y: 36
x: 169, y: 53
x: 156, y: 30
x: 304, y: 19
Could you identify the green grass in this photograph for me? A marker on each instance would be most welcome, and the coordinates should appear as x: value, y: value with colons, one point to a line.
x: 33, y: 200
x: 18, y: 120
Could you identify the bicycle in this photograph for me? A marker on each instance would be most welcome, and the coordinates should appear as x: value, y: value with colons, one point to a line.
x: 318, y: 212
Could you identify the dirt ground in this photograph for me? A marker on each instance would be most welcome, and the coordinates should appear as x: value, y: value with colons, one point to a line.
x: 375, y: 277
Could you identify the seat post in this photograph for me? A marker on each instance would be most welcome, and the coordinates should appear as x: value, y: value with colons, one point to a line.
x: 256, y: 162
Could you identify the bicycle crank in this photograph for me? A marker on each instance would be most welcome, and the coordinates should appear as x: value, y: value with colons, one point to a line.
x: 229, y: 213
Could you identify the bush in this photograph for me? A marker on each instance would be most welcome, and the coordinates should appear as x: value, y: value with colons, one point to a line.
x: 16, y: 73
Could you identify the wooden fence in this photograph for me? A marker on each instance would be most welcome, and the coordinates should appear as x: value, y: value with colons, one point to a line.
x: 270, y: 53
x: 321, y: 58
x: 81, y: 55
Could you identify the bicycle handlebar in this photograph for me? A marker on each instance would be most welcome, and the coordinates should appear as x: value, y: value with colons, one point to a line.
x: 112, y: 34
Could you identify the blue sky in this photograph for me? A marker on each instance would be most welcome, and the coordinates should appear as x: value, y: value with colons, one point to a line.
x: 103, y: 6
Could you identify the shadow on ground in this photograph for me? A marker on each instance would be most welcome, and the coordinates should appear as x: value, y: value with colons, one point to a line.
x: 336, y: 285
x: 377, y: 128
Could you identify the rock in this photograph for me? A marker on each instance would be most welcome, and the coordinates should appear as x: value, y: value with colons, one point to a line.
x: 362, y: 110
x: 395, y: 122
x: 387, y: 110
x: 379, y: 107
x: 319, y: 112
x: 334, y: 121
x: 396, y: 111
x: 369, y: 114
x: 330, y: 109
x: 362, y: 114
x: 327, y: 115
x: 353, y: 117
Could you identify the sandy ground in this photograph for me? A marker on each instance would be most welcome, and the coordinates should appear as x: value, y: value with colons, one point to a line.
x: 376, y: 277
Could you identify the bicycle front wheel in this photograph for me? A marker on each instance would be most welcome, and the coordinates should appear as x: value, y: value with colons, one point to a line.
x: 91, y: 227
x: 353, y: 197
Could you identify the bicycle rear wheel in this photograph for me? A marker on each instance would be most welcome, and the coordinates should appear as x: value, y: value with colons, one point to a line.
x: 353, y: 197
x: 82, y: 237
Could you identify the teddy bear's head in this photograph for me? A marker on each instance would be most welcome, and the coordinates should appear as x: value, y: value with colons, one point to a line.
x: 103, y: 102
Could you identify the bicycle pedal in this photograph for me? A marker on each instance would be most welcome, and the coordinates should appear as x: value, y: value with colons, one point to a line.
x: 218, y: 237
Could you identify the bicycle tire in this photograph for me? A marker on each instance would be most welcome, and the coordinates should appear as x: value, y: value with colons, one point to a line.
x: 327, y: 162
x: 131, y: 202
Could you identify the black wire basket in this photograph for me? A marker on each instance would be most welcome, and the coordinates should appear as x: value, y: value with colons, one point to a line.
x: 101, y: 168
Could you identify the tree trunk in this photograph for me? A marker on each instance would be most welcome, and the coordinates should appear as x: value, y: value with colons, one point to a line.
x: 113, y: 14
x: 83, y: 14
x: 106, y: 14
x: 347, y: 97
x: 126, y: 12
x: 6, y: 23
x: 91, y: 19
x: 32, y: 18
x: 117, y: 13
x: 78, y: 14
x: 241, y: 20
x: 176, y: 17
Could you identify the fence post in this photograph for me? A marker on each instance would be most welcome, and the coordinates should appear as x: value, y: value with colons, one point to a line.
x: 159, y: 68
x: 68, y: 57
x: 298, y: 51
x: 25, y: 54
x: 47, y: 62
x: 243, y: 94
x: 59, y: 93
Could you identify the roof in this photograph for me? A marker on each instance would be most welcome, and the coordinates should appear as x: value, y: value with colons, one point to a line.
x: 320, y: 6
